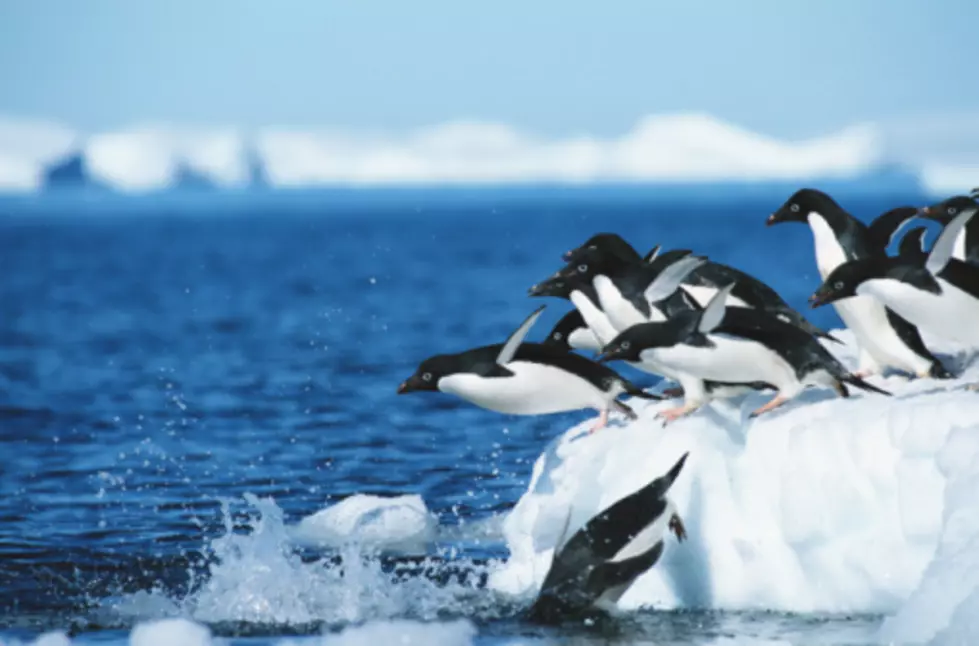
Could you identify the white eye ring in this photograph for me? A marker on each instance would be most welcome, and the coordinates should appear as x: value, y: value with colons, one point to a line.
x: 794, y: 208
x: 427, y: 376
x: 838, y: 284
x: 557, y: 336
x: 952, y: 210
x: 582, y: 268
x: 626, y: 345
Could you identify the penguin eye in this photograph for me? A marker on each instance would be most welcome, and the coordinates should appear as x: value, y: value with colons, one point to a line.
x: 794, y: 208
x: 582, y: 268
x: 557, y: 336
x: 626, y: 345
x: 838, y: 284
x: 952, y: 210
x: 427, y: 376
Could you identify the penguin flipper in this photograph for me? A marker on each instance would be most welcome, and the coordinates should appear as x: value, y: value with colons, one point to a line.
x: 612, y: 574
x: 941, y: 251
x: 517, y: 336
x: 625, y: 410
x: 859, y: 382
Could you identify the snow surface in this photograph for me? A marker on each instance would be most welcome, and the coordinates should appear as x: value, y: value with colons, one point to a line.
x: 829, y: 505
x: 687, y: 147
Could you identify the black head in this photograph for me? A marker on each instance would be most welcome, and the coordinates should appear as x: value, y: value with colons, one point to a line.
x: 628, y: 345
x: 559, y: 336
x: 610, y: 243
x: 946, y: 210
x: 587, y: 264
x: 426, y: 377
x: 844, y: 281
x: 803, y: 202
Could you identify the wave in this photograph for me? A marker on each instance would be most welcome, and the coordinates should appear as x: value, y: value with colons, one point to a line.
x: 667, y: 148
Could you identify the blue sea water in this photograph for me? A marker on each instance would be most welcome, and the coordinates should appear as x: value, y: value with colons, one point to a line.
x: 161, y: 358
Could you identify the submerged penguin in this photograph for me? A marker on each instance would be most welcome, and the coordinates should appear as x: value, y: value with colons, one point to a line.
x: 522, y: 378
x: 966, y: 246
x: 736, y: 344
x: 940, y: 295
x: 885, y: 339
x: 705, y: 280
x: 593, y: 568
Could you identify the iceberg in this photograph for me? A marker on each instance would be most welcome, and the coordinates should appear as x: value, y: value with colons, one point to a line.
x: 864, y: 504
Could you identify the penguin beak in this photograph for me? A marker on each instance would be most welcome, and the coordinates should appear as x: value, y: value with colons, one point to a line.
x: 772, y: 219
x: 926, y: 212
x: 605, y: 356
x: 817, y: 300
x: 566, y: 256
x: 404, y: 388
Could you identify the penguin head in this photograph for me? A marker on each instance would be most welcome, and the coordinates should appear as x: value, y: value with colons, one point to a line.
x: 844, y: 281
x: 556, y: 286
x: 946, y: 211
x: 560, y: 336
x: 628, y: 345
x: 803, y: 202
x: 428, y: 374
x: 609, y: 243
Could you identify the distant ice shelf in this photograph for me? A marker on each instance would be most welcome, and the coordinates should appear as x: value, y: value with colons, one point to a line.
x: 866, y: 504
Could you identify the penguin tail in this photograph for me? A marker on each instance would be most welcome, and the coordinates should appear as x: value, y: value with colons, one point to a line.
x: 854, y: 380
x: 636, y: 391
x: 625, y: 410
x: 938, y: 371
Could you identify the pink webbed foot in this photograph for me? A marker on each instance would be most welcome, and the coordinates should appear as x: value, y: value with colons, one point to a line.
x: 770, y: 406
x: 601, y: 423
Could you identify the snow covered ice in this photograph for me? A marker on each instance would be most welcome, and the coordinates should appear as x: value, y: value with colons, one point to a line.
x: 865, y: 504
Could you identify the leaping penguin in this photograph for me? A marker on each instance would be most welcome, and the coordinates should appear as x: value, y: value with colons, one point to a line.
x: 885, y: 339
x: 705, y: 280
x: 593, y: 568
x: 736, y: 344
x: 523, y: 378
x: 940, y: 295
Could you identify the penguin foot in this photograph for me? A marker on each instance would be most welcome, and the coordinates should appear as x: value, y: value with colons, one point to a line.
x: 673, y: 393
x: 601, y: 423
x: 676, y: 526
x: 863, y: 373
x: 673, y: 414
x: 776, y: 401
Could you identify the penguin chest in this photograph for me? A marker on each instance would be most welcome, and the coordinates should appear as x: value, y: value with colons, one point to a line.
x: 533, y: 389
x: 829, y: 252
x: 730, y: 359
x: 953, y: 314
x: 958, y: 251
x: 622, y: 314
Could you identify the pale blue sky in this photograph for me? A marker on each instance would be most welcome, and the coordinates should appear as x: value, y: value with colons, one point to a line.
x: 550, y: 66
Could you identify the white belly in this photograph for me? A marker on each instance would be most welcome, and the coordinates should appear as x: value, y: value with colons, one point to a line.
x: 703, y: 295
x: 732, y: 360
x: 959, y: 250
x: 584, y: 338
x: 535, y: 389
x: 953, y: 314
x: 829, y: 253
x: 622, y: 314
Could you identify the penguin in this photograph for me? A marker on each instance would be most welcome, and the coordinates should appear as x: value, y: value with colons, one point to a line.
x: 736, y: 344
x: 940, y: 295
x: 885, y: 340
x: 705, y: 280
x: 583, y: 296
x: 523, y: 378
x: 967, y: 244
x: 591, y: 570
x: 572, y: 333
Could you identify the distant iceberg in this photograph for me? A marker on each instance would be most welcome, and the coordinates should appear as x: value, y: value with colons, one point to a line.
x: 866, y: 504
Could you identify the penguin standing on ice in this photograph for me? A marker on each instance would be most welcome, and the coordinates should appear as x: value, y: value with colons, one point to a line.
x: 704, y: 281
x: 736, y: 344
x: 885, y: 339
x: 967, y: 243
x: 521, y: 378
x: 940, y: 295
x: 593, y: 568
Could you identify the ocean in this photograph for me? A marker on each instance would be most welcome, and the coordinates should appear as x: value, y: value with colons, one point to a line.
x: 172, y: 366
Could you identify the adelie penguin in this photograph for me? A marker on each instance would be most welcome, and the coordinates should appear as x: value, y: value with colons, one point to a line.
x: 966, y: 246
x: 593, y: 568
x: 704, y: 281
x: 885, y: 339
x: 736, y: 344
x: 940, y: 295
x: 523, y: 378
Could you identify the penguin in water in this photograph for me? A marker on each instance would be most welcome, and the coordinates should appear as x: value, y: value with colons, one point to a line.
x: 705, y: 280
x: 523, y: 378
x: 940, y: 295
x: 593, y: 568
x: 885, y: 339
x: 736, y: 344
x: 967, y: 244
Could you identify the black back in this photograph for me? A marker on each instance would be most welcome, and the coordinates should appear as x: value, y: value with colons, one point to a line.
x: 912, y: 245
x: 580, y: 571
x: 885, y: 226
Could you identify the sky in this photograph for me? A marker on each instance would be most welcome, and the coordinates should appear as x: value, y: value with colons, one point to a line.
x: 554, y: 67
